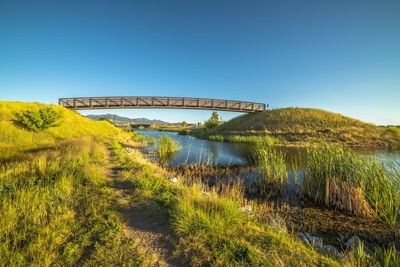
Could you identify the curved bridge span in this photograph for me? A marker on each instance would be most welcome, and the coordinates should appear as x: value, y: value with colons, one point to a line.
x: 159, y: 102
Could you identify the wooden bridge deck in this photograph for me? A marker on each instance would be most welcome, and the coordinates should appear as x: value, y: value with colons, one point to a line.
x: 159, y: 102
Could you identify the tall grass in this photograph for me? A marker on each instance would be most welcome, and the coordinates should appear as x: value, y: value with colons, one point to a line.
x: 197, y: 214
x: 363, y: 185
x: 166, y: 147
x: 254, y: 139
x: 149, y: 140
x: 57, y: 209
x: 272, y: 169
x: 388, y: 257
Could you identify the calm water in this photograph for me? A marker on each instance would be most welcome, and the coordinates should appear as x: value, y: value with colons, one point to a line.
x: 196, y: 150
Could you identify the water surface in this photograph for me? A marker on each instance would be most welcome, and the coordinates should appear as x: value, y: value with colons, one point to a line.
x: 195, y: 150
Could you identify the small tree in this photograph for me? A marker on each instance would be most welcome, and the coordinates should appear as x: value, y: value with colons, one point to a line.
x: 183, y: 123
x: 38, y: 120
x: 213, y: 121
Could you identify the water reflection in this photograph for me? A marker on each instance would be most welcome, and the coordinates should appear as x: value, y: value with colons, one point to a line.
x: 196, y: 150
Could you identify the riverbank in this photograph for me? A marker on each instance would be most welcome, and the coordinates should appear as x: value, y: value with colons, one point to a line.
x: 302, y: 213
x: 331, y: 228
x: 211, y: 225
x: 298, y: 127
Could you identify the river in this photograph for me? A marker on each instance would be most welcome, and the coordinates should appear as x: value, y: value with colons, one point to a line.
x: 195, y: 150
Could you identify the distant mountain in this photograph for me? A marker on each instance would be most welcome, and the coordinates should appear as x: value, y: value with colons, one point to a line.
x: 114, y: 117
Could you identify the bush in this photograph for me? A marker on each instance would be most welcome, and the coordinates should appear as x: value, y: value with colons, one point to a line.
x: 212, y: 122
x: 38, y: 120
x: 209, y: 124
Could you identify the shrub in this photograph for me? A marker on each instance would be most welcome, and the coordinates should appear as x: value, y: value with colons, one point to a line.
x: 38, y: 120
x: 209, y: 124
x: 212, y: 122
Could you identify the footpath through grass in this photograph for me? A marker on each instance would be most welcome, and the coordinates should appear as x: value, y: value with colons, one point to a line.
x: 56, y: 204
x: 211, y: 227
x: 57, y: 208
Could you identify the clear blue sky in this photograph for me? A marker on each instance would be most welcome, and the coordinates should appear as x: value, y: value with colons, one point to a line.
x: 342, y: 56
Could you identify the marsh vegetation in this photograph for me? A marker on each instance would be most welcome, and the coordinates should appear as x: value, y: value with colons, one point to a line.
x: 59, y: 205
x: 362, y: 185
x: 166, y: 147
x: 344, y: 199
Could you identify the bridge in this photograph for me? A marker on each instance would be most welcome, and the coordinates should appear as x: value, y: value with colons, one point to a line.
x: 159, y: 102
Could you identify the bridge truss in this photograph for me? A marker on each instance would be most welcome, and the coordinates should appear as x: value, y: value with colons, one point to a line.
x: 159, y: 102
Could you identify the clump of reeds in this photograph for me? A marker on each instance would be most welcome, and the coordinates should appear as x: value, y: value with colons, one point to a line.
x: 363, y: 185
x: 166, y: 146
x: 388, y: 257
x: 149, y: 140
x: 253, y: 139
x: 272, y: 169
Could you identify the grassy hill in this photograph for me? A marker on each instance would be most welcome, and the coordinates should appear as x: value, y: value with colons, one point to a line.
x: 73, y: 125
x: 292, y: 119
x: 307, y: 125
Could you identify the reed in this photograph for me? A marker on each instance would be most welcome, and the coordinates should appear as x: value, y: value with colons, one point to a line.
x: 388, y: 256
x: 149, y: 140
x: 253, y: 139
x: 272, y: 169
x: 167, y: 146
x: 363, y: 185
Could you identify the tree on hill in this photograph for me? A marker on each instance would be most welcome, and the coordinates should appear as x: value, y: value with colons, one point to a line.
x: 212, y: 122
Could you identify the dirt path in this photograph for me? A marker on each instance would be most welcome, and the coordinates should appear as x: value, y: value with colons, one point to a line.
x: 145, y: 223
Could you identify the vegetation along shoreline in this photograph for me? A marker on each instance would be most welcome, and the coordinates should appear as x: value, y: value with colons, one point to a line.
x: 79, y: 192
x: 293, y: 126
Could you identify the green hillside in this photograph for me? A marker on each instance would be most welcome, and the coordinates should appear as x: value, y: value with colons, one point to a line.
x: 73, y: 125
x: 304, y: 125
x: 292, y: 119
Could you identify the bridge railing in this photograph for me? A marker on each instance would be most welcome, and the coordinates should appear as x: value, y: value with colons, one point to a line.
x: 160, y: 102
